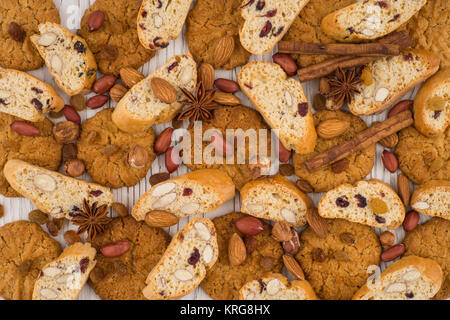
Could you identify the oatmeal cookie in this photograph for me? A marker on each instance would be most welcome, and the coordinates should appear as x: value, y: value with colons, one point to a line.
x: 29, y: 149
x: 24, y: 249
x: 22, y: 55
x: 336, y: 266
x: 423, y: 159
x: 116, y: 44
x: 207, y: 23
x: 123, y: 278
x: 360, y: 163
x: 105, y: 150
x: 432, y: 240
x: 264, y: 254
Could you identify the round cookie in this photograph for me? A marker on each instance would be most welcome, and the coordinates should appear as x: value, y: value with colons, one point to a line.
x: 119, y: 31
x: 207, y: 23
x: 30, y: 149
x: 104, y: 150
x: 432, y: 240
x: 361, y: 163
x: 124, y: 276
x: 430, y: 29
x: 306, y: 27
x: 24, y: 249
x: 223, y: 281
x: 28, y: 15
x: 421, y: 158
x: 337, y: 266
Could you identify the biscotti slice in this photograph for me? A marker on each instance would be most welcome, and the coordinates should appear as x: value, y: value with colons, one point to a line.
x: 370, y: 202
x: 275, y: 198
x: 410, y: 278
x: 369, y: 19
x: 51, y: 192
x: 67, y: 56
x: 27, y: 97
x: 432, y: 105
x: 432, y: 198
x: 186, y: 195
x: 191, y: 253
x: 140, y: 108
x: 158, y: 21
x: 266, y: 22
x: 275, y: 286
x: 282, y: 103
x: 64, y: 278
x: 392, y: 78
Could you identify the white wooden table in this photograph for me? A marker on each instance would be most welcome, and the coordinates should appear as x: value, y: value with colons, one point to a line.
x: 71, y: 12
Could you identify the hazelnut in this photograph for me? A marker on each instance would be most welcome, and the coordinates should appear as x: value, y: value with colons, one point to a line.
x: 37, y: 216
x: 66, y: 131
x: 74, y: 167
x: 137, y: 157
x: 387, y: 239
x: 69, y: 152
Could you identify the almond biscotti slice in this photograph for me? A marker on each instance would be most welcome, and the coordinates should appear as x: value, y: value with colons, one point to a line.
x: 27, y: 97
x: 282, y: 103
x: 140, y: 108
x: 67, y: 56
x: 432, y: 105
x: 432, y: 198
x: 392, y: 78
x: 275, y: 198
x: 266, y: 22
x: 370, y: 202
x: 191, y: 253
x: 275, y: 286
x: 160, y: 20
x: 410, y: 278
x: 51, y: 192
x: 369, y: 19
x: 186, y: 195
x: 64, y: 278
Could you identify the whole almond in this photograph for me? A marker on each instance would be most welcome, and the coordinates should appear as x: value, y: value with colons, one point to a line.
x: 400, y: 107
x: 236, y: 250
x: 159, y: 218
x: 224, y: 49
x: 390, y: 141
x: 393, y: 252
x: 25, y: 129
x: 117, y: 92
x: 172, y: 159
x: 411, y: 221
x: 163, y: 141
x: 329, y: 129
x: 227, y: 99
x: 71, y: 114
x: 340, y: 166
x: 226, y: 85
x: 390, y: 161
x: 95, y: 20
x: 286, y: 62
x: 163, y: 90
x: 387, y: 239
x: 115, y: 249
x: 283, y: 154
x: 304, y: 186
x: 281, y: 231
x: 404, y: 189
x: 130, y: 76
x: 120, y: 208
x: 103, y: 84
x: 316, y: 222
x: 249, y: 226
x: 293, y: 267
x: 97, y: 102
x: 159, y: 177
x: 206, y: 75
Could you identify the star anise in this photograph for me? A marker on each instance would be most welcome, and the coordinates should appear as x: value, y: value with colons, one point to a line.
x: 199, y: 105
x: 91, y: 219
x: 343, y: 86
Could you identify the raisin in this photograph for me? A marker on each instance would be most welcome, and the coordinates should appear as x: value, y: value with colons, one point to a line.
x: 347, y: 238
x: 303, y: 109
x: 266, y: 29
x: 16, y: 32
x: 37, y: 104
x: 37, y: 90
x: 341, y: 202
x: 382, y: 4
x: 318, y: 255
x: 380, y: 219
x: 95, y: 193
x: 280, y: 30
x: 187, y: 192
x: 270, y: 13
x: 172, y: 66
x: 159, y: 4
x: 351, y: 30
x: 3, y: 102
x: 195, y: 256
x: 250, y: 244
x: 409, y: 295
x: 260, y: 5
x: 144, y: 14
x: 161, y: 45
x: 142, y: 26
x: 436, y: 114
x: 408, y: 57
x: 79, y: 47
x: 262, y: 285
x: 109, y: 52
x: 248, y: 4
x: 395, y: 18
x: 362, y: 202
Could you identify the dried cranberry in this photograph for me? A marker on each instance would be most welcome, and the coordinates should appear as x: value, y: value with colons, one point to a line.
x: 37, y: 90
x: 382, y: 194
x: 248, y: 86
x: 380, y: 219
x: 37, y: 104
x: 395, y: 18
x: 362, y: 202
x: 408, y: 57
x: 382, y: 4
x: 172, y: 66
x: 161, y: 45
x: 84, y: 264
x: 3, y: 102
x: 351, y: 30
x: 95, y: 193
x: 195, y: 256
x: 79, y: 46
x: 144, y: 14
x: 142, y: 26
x: 266, y: 29
x: 280, y: 30
x: 187, y: 192
x: 270, y: 13
x: 341, y: 202
x: 262, y: 285
x: 409, y: 295
x: 303, y: 109
x: 436, y: 114
x: 260, y: 5
x: 248, y: 4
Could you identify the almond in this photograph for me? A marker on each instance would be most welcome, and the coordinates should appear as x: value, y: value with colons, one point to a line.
x: 236, y: 250
x: 390, y: 141
x: 117, y: 92
x: 316, y: 222
x: 163, y: 141
x: 103, y: 84
x: 25, y: 129
x: 130, y: 76
x: 281, y: 231
x: 226, y: 99
x: 403, y: 188
x: 163, y: 90
x: 340, y: 166
x: 115, y: 249
x: 159, y: 218
x: 224, y: 49
x: 390, y: 161
x: 411, y: 220
x: 172, y: 159
x: 393, y: 252
x: 249, y: 225
x: 286, y: 62
x: 293, y: 267
x: 226, y: 85
x: 304, y: 186
x: 400, y: 107
x: 206, y: 75
x: 329, y: 129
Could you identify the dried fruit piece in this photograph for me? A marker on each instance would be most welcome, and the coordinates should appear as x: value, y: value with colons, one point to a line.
x: 237, y: 252
x: 304, y: 186
x: 378, y: 206
x: 387, y: 239
x: 159, y: 177
x: 71, y: 237
x: 366, y: 76
x: 347, y: 238
x: 78, y: 102
x: 37, y: 216
x: 16, y: 32
x: 120, y: 208
x: 342, y: 203
x: 286, y: 169
x: 318, y: 255
x: 194, y: 257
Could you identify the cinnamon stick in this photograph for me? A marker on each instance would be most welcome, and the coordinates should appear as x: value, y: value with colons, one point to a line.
x: 362, y: 140
x: 340, y: 49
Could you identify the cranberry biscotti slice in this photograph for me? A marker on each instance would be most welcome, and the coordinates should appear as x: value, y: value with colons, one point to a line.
x: 391, y: 78
x: 51, y: 192
x: 369, y: 19
x: 191, y: 253
x: 140, y: 108
x: 409, y: 278
x: 275, y: 198
x: 432, y: 198
x: 186, y: 195
x: 282, y: 103
x: 64, y: 278
x: 275, y: 286
x: 160, y: 20
x: 27, y: 97
x: 266, y: 22
x: 67, y: 56
x: 371, y: 202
